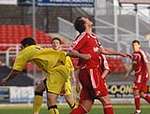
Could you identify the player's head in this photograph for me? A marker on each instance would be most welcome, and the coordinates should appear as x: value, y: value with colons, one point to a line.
x: 136, y: 45
x: 82, y: 23
x: 27, y: 42
x: 56, y: 42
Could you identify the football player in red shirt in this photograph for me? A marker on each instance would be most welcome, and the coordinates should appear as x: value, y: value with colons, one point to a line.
x: 90, y: 74
x: 141, y: 69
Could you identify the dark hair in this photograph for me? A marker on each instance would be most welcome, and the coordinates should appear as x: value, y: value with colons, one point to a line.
x: 27, y: 42
x: 79, y: 24
x: 136, y: 41
x: 56, y: 38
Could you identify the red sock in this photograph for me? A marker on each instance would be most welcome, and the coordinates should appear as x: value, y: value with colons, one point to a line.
x: 108, y: 109
x: 78, y: 110
x: 147, y: 98
x: 137, y: 102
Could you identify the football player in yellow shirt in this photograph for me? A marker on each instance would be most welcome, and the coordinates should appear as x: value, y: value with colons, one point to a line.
x: 52, y: 62
x: 66, y: 91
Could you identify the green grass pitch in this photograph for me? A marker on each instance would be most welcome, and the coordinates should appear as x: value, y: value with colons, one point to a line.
x: 97, y: 109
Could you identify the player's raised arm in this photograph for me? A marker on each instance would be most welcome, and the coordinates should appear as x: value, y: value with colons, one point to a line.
x: 21, y: 59
x: 108, y: 51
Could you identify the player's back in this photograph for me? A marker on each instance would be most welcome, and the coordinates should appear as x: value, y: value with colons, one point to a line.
x: 44, y: 58
x: 48, y: 58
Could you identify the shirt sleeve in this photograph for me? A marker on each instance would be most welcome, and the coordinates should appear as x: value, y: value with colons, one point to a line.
x: 144, y: 56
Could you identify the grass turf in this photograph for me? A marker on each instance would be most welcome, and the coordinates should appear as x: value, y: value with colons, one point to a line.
x: 97, y: 109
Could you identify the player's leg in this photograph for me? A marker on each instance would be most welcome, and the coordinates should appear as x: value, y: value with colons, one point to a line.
x: 52, y: 103
x: 54, y: 84
x: 144, y: 93
x: 137, y: 98
x: 104, y: 97
x: 83, y: 108
x: 68, y: 94
x: 70, y: 100
x: 107, y: 105
x: 102, y: 92
x: 86, y: 100
x: 38, y: 99
x: 145, y: 96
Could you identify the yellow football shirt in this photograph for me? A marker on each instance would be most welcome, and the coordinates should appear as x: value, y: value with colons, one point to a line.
x: 44, y: 58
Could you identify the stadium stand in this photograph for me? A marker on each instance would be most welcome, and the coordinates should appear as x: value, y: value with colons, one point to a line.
x: 116, y: 65
x: 12, y: 34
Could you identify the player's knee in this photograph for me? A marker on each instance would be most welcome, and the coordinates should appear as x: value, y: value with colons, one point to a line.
x: 142, y: 94
x: 105, y: 100
x: 86, y: 105
x: 40, y: 93
x: 39, y: 87
x: 52, y: 107
x: 136, y: 94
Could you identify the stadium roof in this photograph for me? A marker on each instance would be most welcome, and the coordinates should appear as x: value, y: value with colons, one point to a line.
x: 134, y: 1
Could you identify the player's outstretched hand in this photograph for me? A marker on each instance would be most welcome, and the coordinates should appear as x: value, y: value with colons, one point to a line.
x: 123, y: 54
x: 3, y: 82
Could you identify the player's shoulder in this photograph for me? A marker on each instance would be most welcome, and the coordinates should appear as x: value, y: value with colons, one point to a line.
x: 142, y: 53
x: 28, y: 49
x: 33, y: 47
x: 81, y: 36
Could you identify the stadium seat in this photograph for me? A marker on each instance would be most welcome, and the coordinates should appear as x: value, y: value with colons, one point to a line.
x: 12, y: 34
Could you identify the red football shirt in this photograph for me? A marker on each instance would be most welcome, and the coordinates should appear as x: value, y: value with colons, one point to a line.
x: 103, y: 62
x: 85, y: 44
x: 140, y: 60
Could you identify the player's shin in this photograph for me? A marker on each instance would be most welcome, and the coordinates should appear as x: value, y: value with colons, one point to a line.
x: 137, y: 102
x: 108, y: 109
x: 37, y: 102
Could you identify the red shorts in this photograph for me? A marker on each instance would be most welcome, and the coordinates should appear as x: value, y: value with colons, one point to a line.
x: 142, y: 87
x: 92, y: 84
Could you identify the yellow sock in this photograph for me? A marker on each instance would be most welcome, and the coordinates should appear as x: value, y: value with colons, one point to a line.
x: 37, y: 104
x: 53, y: 111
